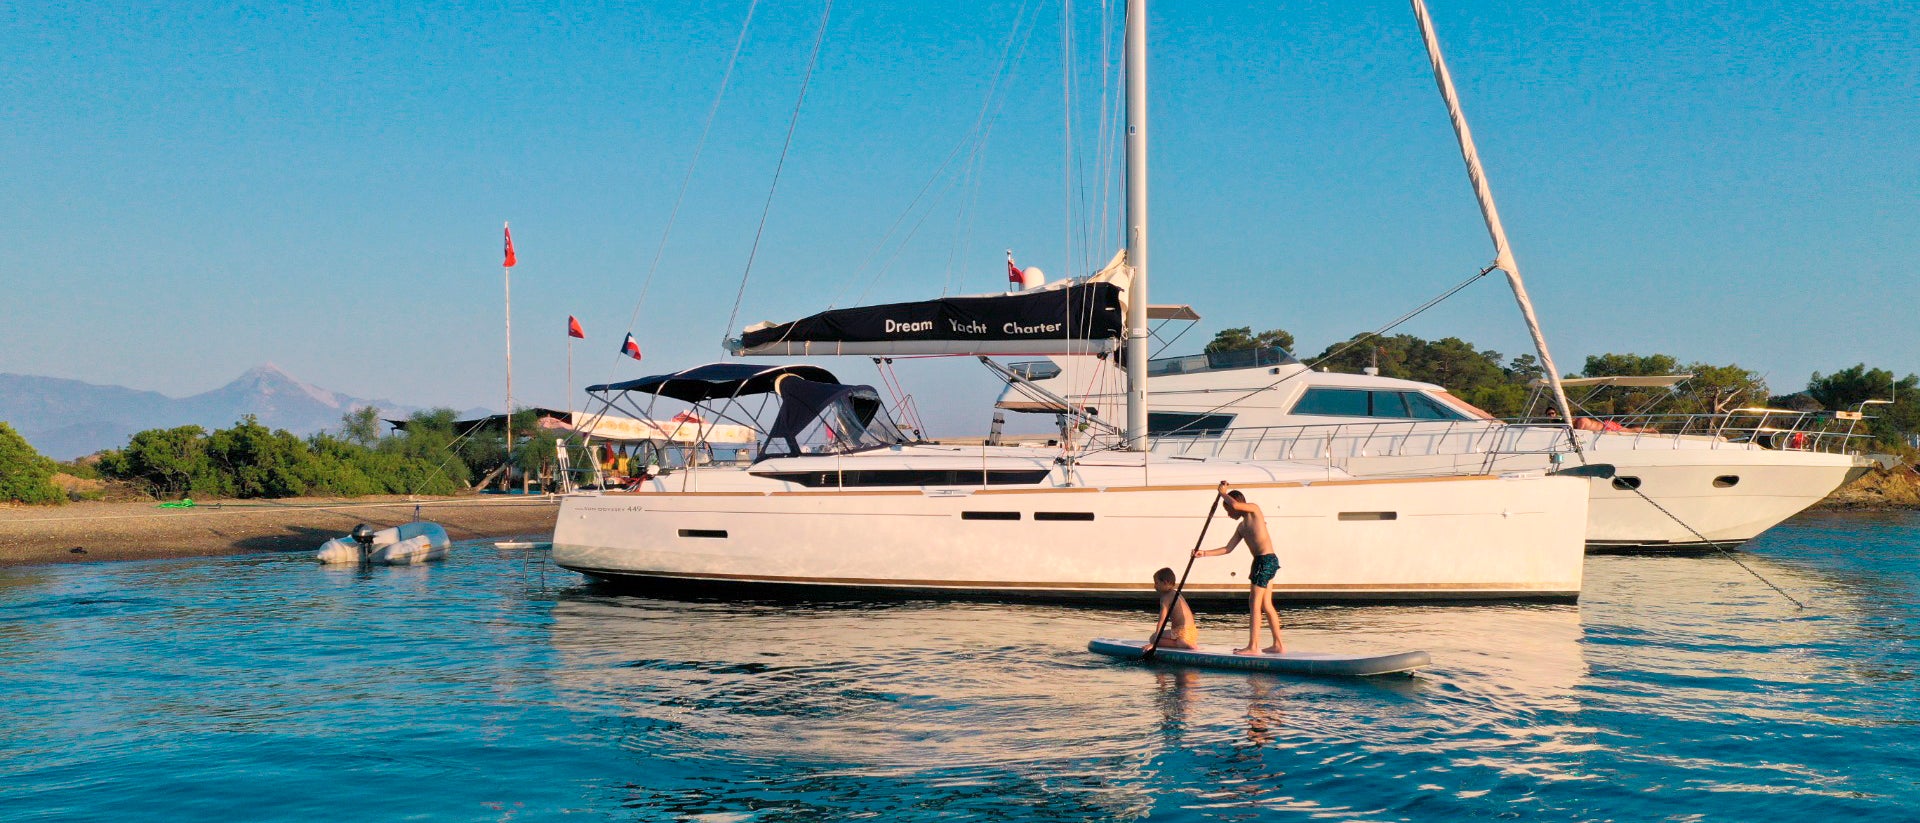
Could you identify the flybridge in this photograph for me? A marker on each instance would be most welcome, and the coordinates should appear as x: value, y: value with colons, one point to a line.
x: 1073, y: 317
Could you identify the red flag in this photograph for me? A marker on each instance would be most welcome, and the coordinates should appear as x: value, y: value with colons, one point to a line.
x: 631, y: 348
x: 510, y: 258
x: 1015, y: 277
x: 573, y: 328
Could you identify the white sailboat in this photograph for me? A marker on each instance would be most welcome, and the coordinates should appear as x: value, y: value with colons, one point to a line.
x: 837, y: 498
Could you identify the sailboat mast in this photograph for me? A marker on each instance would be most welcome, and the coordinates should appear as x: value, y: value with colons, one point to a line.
x: 1136, y: 187
x: 1503, y: 254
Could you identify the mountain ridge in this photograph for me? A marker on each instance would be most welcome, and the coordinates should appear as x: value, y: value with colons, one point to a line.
x: 66, y: 418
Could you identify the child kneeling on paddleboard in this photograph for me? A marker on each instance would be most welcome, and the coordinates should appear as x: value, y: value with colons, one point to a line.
x: 1176, y: 620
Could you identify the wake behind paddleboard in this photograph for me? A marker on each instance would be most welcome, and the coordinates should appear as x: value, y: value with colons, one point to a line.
x: 1323, y: 664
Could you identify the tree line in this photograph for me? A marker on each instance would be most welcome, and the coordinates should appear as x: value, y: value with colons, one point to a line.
x: 1505, y: 386
x: 249, y: 460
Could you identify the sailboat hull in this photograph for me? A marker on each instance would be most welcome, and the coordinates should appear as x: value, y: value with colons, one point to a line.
x: 1468, y: 538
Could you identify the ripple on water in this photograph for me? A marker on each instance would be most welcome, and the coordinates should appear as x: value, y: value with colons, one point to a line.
x: 266, y: 688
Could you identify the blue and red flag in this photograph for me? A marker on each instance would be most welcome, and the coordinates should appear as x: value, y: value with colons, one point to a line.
x: 510, y: 258
x: 631, y: 348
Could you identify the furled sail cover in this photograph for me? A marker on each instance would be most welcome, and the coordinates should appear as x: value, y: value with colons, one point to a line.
x: 1071, y: 317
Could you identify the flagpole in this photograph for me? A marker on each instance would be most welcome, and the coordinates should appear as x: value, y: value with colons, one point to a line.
x: 506, y: 276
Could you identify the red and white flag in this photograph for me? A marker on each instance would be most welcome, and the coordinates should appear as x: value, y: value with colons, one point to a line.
x: 573, y: 328
x: 631, y: 348
x: 1016, y: 279
x: 510, y: 258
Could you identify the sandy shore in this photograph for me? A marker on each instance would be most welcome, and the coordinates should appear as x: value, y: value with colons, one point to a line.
x: 134, y: 530
x: 123, y: 531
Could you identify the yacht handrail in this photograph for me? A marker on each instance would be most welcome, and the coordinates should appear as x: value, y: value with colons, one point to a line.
x: 1329, y: 441
x: 1808, y: 431
x: 1773, y: 429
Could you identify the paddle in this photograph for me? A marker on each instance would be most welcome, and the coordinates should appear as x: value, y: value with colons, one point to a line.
x: 1154, y: 640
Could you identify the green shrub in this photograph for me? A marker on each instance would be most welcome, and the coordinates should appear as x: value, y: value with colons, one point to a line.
x: 167, y: 462
x: 25, y: 475
x: 250, y: 460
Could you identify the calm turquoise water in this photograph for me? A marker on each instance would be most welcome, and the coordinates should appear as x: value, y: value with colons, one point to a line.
x: 266, y: 688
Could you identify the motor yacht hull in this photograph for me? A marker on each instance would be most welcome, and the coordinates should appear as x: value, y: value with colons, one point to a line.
x: 1663, y: 498
x: 1456, y: 538
x: 1257, y: 421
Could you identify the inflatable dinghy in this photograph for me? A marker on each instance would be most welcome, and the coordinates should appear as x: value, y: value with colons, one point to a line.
x: 402, y: 545
x: 1321, y: 664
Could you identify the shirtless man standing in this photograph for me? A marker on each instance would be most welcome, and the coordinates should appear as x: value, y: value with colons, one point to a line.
x: 1252, y: 531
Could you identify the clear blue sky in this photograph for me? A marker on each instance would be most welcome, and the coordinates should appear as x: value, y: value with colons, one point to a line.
x: 192, y: 188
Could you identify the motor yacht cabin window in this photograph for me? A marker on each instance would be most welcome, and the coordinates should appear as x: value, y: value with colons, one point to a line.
x: 1333, y: 402
x: 1397, y: 405
x: 1388, y: 404
x: 1422, y: 407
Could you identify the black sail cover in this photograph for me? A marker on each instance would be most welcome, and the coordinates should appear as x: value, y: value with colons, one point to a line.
x: 1075, y: 318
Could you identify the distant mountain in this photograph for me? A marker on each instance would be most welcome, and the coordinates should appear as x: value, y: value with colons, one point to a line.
x: 65, y: 419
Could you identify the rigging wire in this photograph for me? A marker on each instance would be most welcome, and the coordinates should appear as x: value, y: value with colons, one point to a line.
x: 793, y: 124
x: 1102, y: 150
x: 686, y: 180
x: 970, y: 171
x: 975, y: 138
x: 988, y: 105
x: 1067, y: 161
x: 904, y: 214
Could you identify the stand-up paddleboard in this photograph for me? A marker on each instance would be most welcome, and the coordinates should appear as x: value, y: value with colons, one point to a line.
x: 1324, y: 664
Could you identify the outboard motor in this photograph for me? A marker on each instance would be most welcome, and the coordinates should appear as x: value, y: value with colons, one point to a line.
x: 363, y: 534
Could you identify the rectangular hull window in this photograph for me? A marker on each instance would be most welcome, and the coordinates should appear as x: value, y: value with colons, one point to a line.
x: 715, y: 533
x: 1357, y: 516
x: 989, y: 515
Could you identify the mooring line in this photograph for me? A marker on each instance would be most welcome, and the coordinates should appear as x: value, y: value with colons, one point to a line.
x: 1717, y: 547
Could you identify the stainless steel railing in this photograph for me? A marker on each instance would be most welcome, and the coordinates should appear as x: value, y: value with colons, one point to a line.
x: 1492, y: 439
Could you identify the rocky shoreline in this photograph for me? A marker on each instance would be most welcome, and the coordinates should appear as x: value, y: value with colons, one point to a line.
x: 94, y: 531
x: 1892, y: 489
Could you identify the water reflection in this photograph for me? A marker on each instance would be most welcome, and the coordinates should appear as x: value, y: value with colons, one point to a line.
x: 491, y: 687
x: 962, y: 696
